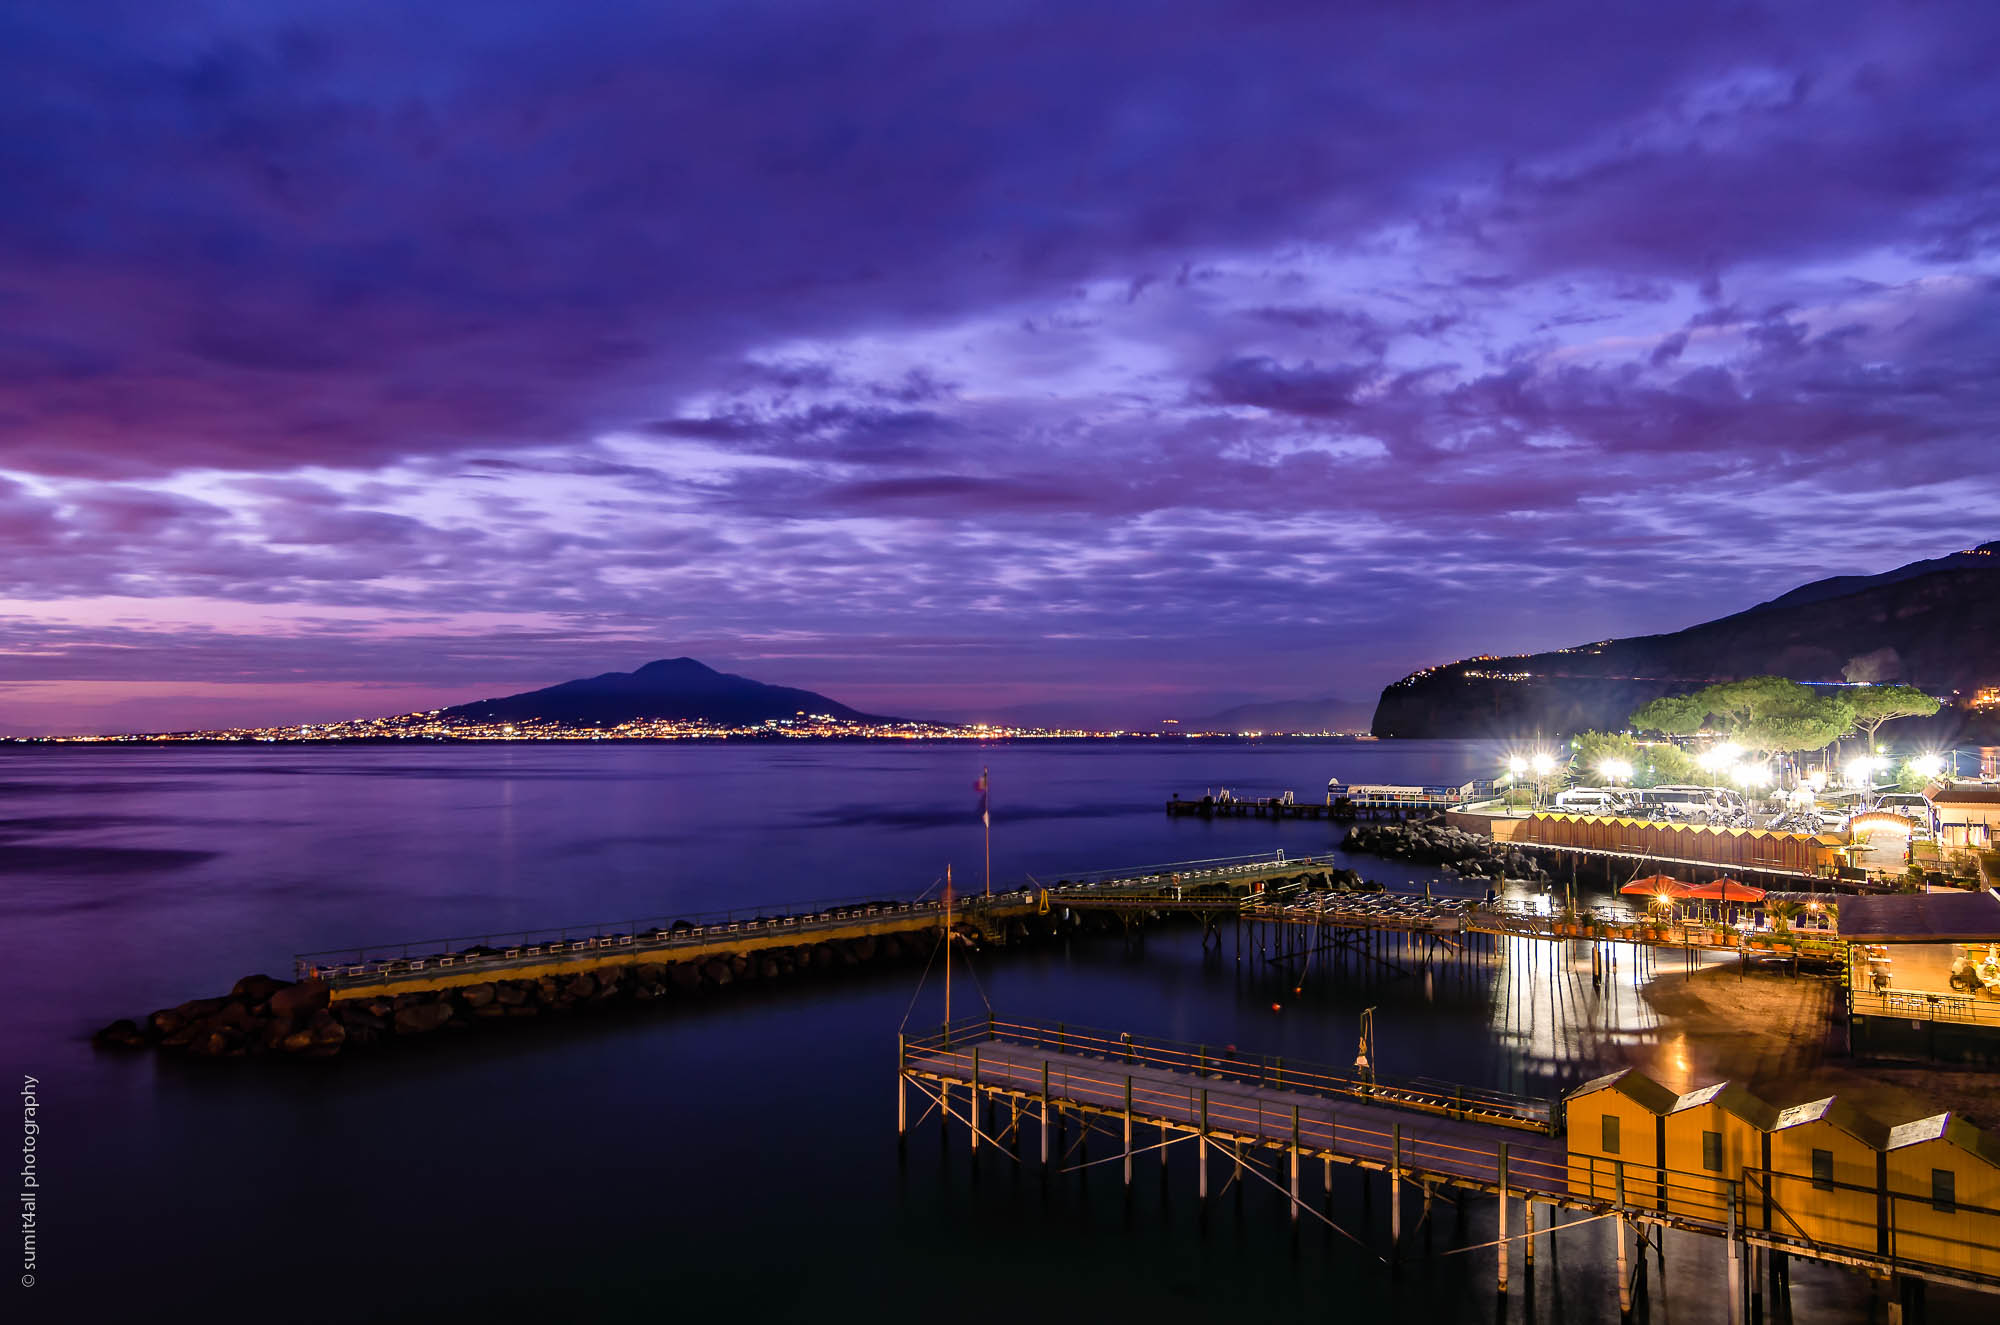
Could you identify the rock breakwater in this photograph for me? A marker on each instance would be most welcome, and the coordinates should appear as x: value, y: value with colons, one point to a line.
x: 1436, y: 844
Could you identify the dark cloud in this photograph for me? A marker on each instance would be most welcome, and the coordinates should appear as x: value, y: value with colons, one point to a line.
x: 473, y: 341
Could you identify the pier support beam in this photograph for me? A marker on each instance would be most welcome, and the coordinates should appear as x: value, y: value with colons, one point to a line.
x: 1295, y: 1163
x: 1128, y: 1131
x: 1503, y: 1217
x: 1528, y: 1242
x: 1624, y: 1279
x: 1735, y: 1262
x: 1395, y: 1189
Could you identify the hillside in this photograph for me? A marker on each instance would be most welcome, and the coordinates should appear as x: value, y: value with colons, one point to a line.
x: 672, y: 688
x: 1934, y: 624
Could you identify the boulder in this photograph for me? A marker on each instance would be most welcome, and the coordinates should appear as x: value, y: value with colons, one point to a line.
x: 120, y: 1034
x: 583, y: 986
x: 257, y: 988
x: 684, y: 976
x: 509, y: 994
x: 716, y: 972
x: 210, y: 1044
x: 297, y: 1042
x: 421, y: 1018
x: 477, y: 996
x: 296, y: 1000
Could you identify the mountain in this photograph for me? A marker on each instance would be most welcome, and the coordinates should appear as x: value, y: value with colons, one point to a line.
x: 1330, y: 714
x: 670, y: 688
x: 1934, y: 624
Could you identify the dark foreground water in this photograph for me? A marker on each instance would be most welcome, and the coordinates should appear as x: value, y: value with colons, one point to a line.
x: 731, y: 1157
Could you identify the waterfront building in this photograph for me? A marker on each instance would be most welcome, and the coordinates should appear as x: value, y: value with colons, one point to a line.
x: 1824, y: 1175
x: 1946, y: 1176
x: 1712, y: 1136
x: 1967, y: 814
x: 1616, y: 1139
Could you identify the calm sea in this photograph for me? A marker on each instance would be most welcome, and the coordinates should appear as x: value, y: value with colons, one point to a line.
x: 731, y: 1157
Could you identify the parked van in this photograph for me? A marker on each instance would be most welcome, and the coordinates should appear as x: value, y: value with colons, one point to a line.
x: 1589, y: 800
x: 1676, y: 802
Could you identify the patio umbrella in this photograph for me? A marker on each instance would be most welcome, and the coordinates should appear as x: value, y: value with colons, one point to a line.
x: 1726, y: 889
x: 1657, y: 885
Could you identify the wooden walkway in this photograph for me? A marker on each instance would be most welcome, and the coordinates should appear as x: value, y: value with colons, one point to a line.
x: 1418, y: 1142
x: 997, y: 1078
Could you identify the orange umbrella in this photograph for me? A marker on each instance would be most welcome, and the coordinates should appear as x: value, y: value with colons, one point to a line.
x: 1726, y: 889
x: 1655, y: 884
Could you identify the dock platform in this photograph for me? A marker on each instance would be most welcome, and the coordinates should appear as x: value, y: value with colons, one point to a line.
x: 997, y: 1078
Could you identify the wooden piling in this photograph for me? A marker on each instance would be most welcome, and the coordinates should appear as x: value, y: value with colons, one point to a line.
x: 1395, y: 1187
x: 1128, y: 1131
x: 1295, y: 1163
x: 1503, y: 1216
x: 1624, y: 1280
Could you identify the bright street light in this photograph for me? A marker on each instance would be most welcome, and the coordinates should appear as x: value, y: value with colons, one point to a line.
x: 1517, y: 765
x: 1928, y: 766
x: 1544, y: 764
x: 1617, y: 770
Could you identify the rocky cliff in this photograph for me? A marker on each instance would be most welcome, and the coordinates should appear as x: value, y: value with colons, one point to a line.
x: 1933, y: 624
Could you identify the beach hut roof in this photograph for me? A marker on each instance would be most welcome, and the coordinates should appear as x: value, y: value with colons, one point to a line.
x: 1946, y: 1127
x: 1842, y: 1115
x: 1737, y: 1100
x: 1633, y: 1084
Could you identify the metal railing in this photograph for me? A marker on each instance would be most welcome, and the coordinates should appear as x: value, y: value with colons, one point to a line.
x: 1922, y: 1005
x: 502, y: 948
x: 1225, y: 1066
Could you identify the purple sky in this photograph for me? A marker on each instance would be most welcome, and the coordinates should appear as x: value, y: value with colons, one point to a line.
x: 1122, y: 359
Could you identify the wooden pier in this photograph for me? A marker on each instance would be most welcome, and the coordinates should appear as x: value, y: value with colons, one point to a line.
x: 1000, y: 1079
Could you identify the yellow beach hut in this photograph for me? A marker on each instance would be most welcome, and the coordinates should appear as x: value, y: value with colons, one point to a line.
x: 1944, y: 1194
x: 1826, y: 1174
x: 1712, y: 1136
x: 1614, y: 1131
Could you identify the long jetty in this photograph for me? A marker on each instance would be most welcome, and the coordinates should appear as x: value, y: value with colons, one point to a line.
x: 1212, y: 888
x: 1262, y: 894
x: 998, y: 1078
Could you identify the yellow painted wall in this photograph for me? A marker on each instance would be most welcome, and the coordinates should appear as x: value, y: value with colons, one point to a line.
x: 1697, y: 1192
x: 1963, y: 1240
x: 1593, y: 1172
x: 1841, y: 1217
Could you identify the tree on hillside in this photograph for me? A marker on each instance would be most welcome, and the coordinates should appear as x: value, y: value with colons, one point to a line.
x: 1768, y: 714
x: 1671, y: 715
x: 1875, y: 705
x: 1651, y: 764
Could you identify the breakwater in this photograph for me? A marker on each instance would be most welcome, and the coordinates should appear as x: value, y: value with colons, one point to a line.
x: 1436, y: 843
x: 262, y: 1015
x: 362, y: 997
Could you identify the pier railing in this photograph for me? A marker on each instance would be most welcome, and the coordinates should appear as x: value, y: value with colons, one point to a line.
x: 1226, y: 1066
x: 501, y: 948
x: 1218, y: 869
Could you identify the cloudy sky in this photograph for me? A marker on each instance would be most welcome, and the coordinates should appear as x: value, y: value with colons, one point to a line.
x: 1121, y: 358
